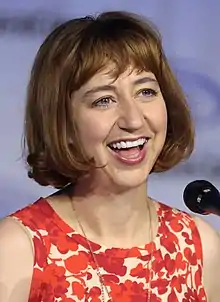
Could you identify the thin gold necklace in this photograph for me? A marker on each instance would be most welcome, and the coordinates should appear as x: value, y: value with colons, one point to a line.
x: 99, y: 274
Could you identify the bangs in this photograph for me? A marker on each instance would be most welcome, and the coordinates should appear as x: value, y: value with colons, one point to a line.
x: 120, y: 45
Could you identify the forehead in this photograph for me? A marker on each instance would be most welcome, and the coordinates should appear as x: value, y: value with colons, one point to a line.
x: 107, y: 76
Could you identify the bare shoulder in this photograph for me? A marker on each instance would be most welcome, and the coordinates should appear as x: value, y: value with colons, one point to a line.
x: 16, y: 261
x: 12, y: 234
x: 211, y: 258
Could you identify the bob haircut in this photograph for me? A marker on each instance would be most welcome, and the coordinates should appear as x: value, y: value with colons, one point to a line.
x: 73, y: 53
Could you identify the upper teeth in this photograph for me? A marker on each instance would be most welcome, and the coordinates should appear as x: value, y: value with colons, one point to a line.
x: 128, y: 144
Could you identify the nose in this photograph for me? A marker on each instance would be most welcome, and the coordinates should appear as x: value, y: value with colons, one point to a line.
x: 131, y: 117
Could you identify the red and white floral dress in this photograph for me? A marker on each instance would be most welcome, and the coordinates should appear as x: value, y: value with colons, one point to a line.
x: 64, y: 269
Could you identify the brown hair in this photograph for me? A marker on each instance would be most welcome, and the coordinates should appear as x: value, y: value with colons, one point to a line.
x: 66, y: 60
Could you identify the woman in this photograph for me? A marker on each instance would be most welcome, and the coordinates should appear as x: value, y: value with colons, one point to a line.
x: 103, y: 112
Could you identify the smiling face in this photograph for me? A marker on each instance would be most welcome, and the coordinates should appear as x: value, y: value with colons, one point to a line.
x: 122, y: 124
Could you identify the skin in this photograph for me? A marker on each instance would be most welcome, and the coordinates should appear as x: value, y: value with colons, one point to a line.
x: 107, y: 110
x: 131, y: 106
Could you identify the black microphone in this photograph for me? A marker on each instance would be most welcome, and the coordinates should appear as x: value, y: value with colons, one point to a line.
x: 202, y: 197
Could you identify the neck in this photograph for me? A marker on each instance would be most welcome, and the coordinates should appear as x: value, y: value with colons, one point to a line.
x: 110, y: 218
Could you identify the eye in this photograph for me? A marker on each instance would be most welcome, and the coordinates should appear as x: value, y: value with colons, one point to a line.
x: 148, y: 92
x: 103, y: 102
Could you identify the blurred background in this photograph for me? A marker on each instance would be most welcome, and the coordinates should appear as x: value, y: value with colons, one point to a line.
x: 191, y: 38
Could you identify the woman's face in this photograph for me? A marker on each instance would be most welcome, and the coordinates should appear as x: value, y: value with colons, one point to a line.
x: 122, y: 124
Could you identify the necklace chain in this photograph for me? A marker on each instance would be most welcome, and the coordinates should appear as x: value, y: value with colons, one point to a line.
x: 99, y: 274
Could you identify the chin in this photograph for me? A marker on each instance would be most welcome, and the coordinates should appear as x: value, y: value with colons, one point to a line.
x: 129, y: 179
x: 128, y: 184
x: 121, y: 175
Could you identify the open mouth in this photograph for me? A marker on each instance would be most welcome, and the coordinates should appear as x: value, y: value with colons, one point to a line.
x: 129, y: 152
x: 128, y: 144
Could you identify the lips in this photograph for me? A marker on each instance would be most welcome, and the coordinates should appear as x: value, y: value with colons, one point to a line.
x: 126, y: 144
x: 129, y: 152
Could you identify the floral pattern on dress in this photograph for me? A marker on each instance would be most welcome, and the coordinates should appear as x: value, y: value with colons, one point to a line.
x: 64, y: 270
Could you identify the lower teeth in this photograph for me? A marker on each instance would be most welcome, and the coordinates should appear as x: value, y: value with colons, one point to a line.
x: 122, y: 149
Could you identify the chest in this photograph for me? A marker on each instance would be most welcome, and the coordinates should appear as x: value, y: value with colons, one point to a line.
x: 76, y: 277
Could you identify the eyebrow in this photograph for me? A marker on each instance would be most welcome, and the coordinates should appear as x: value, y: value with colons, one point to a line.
x: 112, y: 87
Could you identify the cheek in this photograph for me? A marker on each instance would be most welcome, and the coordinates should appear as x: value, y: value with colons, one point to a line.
x: 159, y: 119
x: 163, y: 119
x: 93, y: 131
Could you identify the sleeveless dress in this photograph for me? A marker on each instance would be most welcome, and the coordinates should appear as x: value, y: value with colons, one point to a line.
x: 64, y: 269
